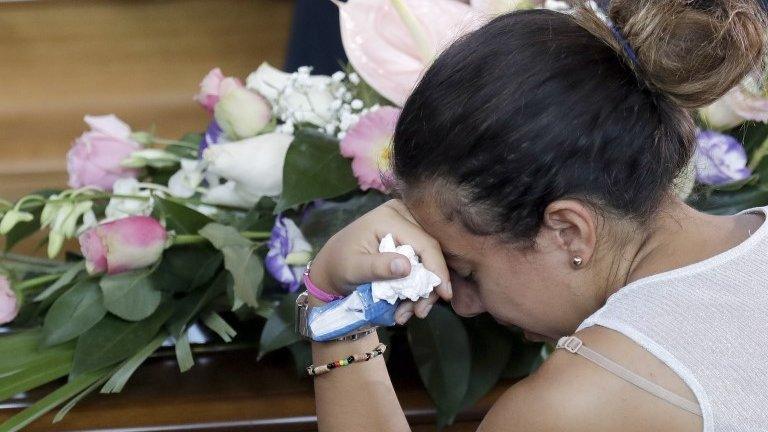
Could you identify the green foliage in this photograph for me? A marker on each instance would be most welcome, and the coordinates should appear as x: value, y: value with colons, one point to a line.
x: 491, y: 346
x: 240, y: 260
x: 52, y: 400
x: 74, y: 271
x: 730, y: 202
x: 123, y: 373
x: 187, y: 308
x: 130, y: 295
x: 320, y: 223
x: 73, y: 313
x: 180, y: 218
x: 441, y: 350
x: 314, y: 169
x: 114, y: 339
x: 278, y: 331
x: 185, y: 268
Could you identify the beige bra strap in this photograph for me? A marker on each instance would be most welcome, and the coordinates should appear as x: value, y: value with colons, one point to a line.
x: 574, y: 345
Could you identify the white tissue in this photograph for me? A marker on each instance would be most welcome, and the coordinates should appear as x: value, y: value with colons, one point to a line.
x: 418, y: 284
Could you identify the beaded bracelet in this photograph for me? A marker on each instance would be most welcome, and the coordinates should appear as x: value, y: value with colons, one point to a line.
x: 362, y: 357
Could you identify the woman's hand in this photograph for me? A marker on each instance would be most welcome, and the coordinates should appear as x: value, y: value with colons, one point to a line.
x: 352, y: 257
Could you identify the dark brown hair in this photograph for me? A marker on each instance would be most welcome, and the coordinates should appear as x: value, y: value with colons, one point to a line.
x: 538, y: 105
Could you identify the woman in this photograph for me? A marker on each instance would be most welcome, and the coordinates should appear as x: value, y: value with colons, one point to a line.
x: 534, y: 164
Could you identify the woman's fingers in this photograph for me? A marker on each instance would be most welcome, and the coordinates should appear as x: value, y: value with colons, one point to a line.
x: 423, y: 306
x: 378, y: 266
x: 404, y: 312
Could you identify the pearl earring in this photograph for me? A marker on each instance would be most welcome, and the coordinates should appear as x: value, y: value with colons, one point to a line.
x: 577, y: 261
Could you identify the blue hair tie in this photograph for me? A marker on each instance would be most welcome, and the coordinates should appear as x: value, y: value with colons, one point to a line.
x: 624, y: 43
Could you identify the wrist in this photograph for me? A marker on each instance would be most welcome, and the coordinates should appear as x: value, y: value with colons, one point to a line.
x: 319, y: 285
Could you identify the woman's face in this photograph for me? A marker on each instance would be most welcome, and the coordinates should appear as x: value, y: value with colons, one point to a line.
x: 535, y: 289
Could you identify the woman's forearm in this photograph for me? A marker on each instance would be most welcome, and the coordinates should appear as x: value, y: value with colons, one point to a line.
x: 358, y: 397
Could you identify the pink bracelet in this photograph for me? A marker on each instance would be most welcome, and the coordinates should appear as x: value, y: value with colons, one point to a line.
x: 317, y: 292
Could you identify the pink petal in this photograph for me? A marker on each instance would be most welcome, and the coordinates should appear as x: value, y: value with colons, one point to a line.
x: 380, y: 46
x: 132, y: 243
x: 365, y: 143
x: 94, y: 251
x: 109, y: 125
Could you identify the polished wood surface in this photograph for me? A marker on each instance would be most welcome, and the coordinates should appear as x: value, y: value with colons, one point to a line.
x: 141, y: 60
x: 230, y: 391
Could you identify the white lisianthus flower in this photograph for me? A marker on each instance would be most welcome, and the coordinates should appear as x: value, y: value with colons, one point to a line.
x: 255, y: 165
x: 184, y: 183
x: 156, y: 158
x: 298, y: 96
x: 119, y: 208
x: 242, y: 113
x: 744, y: 102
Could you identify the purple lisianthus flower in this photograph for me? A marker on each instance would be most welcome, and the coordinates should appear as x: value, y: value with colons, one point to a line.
x: 720, y: 159
x: 213, y: 135
x: 288, y: 253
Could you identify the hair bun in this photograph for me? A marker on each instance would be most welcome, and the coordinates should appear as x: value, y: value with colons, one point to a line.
x: 693, y: 51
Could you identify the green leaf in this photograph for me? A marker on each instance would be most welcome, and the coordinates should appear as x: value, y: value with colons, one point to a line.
x: 727, y: 203
x: 184, y: 353
x: 187, y: 308
x: 36, y: 373
x: 183, y: 269
x: 302, y: 357
x: 491, y: 348
x: 279, y: 330
x: 26, y: 229
x: 75, y: 400
x: 113, y: 339
x: 180, y: 218
x: 441, y: 351
x: 524, y: 359
x: 130, y: 295
x: 122, y: 374
x: 50, y: 401
x: 321, y: 222
x: 73, y: 313
x: 213, y: 321
x: 314, y: 168
x: 61, y: 282
x: 734, y: 186
x: 240, y: 260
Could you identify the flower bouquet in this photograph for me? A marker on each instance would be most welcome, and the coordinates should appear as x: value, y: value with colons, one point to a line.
x: 218, y: 226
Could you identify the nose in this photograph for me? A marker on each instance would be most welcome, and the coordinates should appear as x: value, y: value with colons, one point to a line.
x: 465, y: 301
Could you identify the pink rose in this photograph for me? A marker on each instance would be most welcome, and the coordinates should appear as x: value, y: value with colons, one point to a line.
x: 213, y: 85
x: 122, y: 245
x: 369, y: 144
x: 9, y: 304
x: 96, y: 156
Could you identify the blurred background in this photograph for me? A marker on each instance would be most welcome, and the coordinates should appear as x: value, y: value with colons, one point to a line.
x: 141, y: 60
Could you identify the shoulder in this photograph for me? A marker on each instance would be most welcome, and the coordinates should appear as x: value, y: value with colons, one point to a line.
x: 570, y: 393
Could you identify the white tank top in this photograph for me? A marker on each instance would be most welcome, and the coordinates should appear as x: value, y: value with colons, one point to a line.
x: 709, y: 323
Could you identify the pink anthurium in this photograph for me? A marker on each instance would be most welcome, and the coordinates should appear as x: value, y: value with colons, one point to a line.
x: 391, y: 42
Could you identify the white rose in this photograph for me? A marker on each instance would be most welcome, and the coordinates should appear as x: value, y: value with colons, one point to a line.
x: 242, y: 113
x: 184, y: 183
x: 255, y: 165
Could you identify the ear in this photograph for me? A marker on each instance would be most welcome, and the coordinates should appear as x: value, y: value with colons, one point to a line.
x: 574, y: 227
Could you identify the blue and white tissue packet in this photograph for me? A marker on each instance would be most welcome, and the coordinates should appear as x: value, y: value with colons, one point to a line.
x: 372, y: 304
x: 344, y: 316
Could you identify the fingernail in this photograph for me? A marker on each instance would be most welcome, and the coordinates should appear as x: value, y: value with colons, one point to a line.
x: 397, y: 267
x: 425, y: 311
x: 404, y: 316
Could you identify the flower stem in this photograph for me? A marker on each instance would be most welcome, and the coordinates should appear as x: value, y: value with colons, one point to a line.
x: 191, y: 239
x: 37, y: 281
x: 758, y: 155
